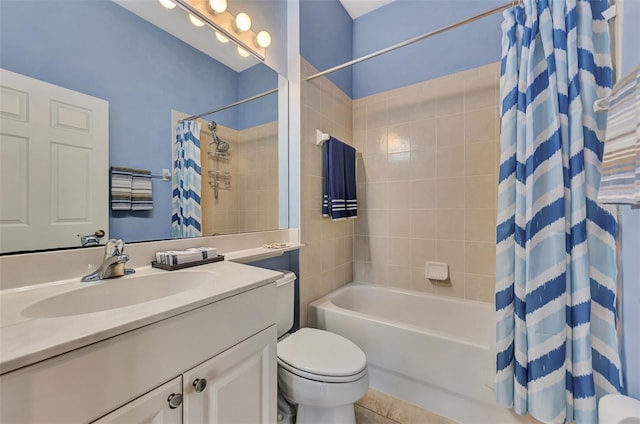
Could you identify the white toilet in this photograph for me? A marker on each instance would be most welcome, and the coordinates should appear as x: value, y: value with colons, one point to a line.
x: 618, y: 409
x: 323, y: 373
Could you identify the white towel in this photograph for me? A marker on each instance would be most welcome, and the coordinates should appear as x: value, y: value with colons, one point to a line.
x: 194, y: 254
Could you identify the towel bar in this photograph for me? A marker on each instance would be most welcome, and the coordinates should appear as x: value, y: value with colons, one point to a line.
x: 321, y: 137
x: 166, y: 175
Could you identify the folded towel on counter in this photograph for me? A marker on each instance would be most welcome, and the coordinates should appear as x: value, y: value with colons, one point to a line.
x: 121, y: 179
x: 177, y: 257
x: 141, y: 190
x: 620, y: 182
x: 339, y: 182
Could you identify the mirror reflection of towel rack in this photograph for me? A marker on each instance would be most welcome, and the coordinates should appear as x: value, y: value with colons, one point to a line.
x: 165, y: 176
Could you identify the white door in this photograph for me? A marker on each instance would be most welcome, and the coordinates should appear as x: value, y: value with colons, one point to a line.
x: 237, y: 386
x: 54, y: 160
x: 160, y: 406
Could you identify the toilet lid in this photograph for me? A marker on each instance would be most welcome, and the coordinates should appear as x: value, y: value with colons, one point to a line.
x: 322, y: 353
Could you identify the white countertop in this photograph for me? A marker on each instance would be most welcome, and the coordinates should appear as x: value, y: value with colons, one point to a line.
x: 25, y: 340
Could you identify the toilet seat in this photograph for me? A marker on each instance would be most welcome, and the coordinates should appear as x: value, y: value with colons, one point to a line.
x: 322, y: 356
x: 320, y: 377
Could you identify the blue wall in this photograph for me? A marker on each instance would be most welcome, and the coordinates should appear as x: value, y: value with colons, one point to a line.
x: 467, y: 47
x: 101, y: 49
x: 630, y: 226
x: 252, y: 81
x: 326, y: 38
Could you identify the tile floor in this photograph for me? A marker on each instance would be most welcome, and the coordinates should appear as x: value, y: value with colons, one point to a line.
x: 379, y: 408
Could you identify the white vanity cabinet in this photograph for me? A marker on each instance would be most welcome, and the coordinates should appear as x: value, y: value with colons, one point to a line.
x: 160, y: 406
x: 235, y: 386
x: 232, y: 387
x: 128, y: 378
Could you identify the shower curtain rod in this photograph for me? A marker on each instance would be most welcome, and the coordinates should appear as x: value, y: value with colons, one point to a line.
x: 239, y: 102
x: 414, y: 40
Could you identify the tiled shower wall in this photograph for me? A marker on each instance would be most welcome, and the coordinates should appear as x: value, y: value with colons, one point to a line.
x: 257, y: 178
x: 219, y: 216
x: 252, y: 202
x: 428, y: 183
x: 326, y: 259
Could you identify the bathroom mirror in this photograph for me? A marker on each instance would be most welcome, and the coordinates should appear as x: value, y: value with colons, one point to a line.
x: 149, y: 77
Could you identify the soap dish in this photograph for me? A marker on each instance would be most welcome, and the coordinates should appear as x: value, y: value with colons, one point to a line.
x: 438, y: 271
x: 176, y: 267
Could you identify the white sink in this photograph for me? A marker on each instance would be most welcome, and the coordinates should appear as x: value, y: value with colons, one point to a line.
x: 117, y: 293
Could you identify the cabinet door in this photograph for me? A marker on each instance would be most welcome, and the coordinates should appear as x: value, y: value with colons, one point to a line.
x: 160, y: 406
x: 237, y: 386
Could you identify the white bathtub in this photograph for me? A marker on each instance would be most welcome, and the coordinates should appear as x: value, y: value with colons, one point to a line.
x: 433, y: 351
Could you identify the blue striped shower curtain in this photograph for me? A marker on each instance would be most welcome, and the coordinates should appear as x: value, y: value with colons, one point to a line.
x: 186, y: 182
x: 557, y: 348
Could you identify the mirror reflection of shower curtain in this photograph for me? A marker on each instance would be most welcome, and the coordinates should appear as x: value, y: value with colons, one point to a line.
x: 186, y: 220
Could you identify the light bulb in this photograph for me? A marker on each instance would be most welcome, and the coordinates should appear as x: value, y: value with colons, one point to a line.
x: 221, y: 38
x: 242, y: 52
x: 218, y: 6
x: 242, y: 22
x: 167, y: 3
x: 197, y: 22
x: 263, y: 39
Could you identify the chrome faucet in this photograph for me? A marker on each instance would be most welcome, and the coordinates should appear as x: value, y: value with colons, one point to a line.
x: 113, y: 263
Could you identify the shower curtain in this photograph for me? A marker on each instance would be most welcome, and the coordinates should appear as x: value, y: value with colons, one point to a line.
x: 186, y: 182
x: 556, y: 267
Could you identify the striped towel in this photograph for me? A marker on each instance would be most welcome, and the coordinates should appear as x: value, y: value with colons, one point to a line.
x: 121, y: 188
x: 339, y: 181
x: 141, y: 190
x: 194, y: 254
x: 620, y: 181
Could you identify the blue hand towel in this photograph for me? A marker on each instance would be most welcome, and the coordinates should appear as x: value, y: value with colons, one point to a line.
x: 339, y: 182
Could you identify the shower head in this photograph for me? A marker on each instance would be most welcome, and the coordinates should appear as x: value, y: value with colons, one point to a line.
x: 221, y: 145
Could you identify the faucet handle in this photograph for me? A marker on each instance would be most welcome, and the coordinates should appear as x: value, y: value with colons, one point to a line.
x: 119, y: 247
x: 113, y: 247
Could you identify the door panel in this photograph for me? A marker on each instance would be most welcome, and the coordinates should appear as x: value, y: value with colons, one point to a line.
x: 55, y: 160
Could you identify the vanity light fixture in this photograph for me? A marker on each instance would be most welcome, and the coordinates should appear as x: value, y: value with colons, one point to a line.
x: 263, y: 39
x: 218, y: 6
x: 221, y: 38
x: 195, y: 21
x: 167, y: 3
x: 242, y: 52
x: 214, y: 15
x: 242, y: 22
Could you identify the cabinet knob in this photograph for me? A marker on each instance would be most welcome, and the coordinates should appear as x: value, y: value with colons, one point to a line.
x: 175, y: 400
x: 199, y: 384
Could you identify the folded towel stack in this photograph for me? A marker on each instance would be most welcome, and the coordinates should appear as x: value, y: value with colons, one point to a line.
x: 141, y: 191
x: 620, y: 183
x: 194, y: 254
x: 121, y: 188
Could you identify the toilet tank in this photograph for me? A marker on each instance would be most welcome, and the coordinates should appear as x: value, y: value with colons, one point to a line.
x: 285, y: 302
